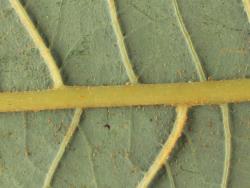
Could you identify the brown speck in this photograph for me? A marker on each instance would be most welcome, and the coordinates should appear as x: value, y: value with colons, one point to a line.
x: 209, y: 78
x: 27, y: 152
x: 107, y: 126
x: 210, y: 124
x: 10, y: 134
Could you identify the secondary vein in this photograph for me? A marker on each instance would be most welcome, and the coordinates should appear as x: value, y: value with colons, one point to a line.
x: 120, y: 42
x: 202, y: 77
x: 57, y: 81
x: 39, y: 42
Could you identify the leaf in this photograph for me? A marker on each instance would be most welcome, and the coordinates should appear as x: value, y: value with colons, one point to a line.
x: 115, y: 147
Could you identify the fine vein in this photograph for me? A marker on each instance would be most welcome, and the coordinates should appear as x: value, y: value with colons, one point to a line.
x: 191, y: 48
x: 167, y: 148
x: 57, y: 81
x: 120, y: 42
x: 246, y: 4
x: 202, y: 76
x: 170, y: 175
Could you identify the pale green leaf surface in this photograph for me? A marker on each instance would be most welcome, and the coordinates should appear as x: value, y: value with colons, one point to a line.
x: 82, y: 39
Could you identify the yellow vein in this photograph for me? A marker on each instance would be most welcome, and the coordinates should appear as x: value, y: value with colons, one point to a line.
x: 246, y: 4
x: 228, y: 144
x: 173, y: 94
x: 191, y: 48
x: 65, y: 142
x: 37, y: 39
x: 120, y: 42
x: 195, y: 57
x: 167, y: 147
x: 224, y: 108
x: 57, y: 81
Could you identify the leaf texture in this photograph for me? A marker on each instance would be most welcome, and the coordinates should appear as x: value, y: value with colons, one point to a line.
x: 115, y: 147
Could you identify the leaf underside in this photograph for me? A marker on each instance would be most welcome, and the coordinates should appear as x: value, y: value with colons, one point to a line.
x: 115, y: 147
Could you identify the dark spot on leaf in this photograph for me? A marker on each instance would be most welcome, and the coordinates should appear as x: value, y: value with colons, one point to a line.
x: 183, y: 140
x: 107, y: 126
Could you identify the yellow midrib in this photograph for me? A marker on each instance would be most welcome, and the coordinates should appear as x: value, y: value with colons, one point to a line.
x: 191, y: 94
